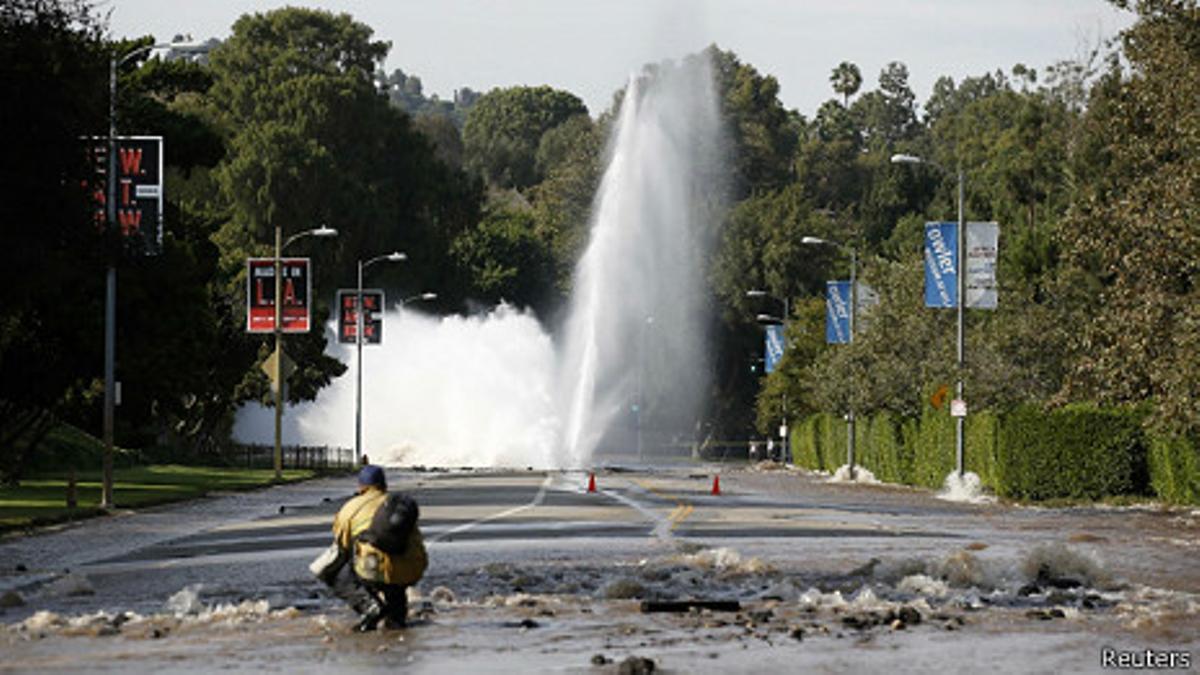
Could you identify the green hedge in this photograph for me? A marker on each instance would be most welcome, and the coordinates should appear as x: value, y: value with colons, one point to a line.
x: 1175, y: 469
x: 880, y: 447
x: 812, y: 443
x: 1080, y: 451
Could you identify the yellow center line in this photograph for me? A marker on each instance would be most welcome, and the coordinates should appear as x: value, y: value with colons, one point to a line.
x: 683, y: 508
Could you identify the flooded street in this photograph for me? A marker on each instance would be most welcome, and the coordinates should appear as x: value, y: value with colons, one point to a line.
x: 529, y: 571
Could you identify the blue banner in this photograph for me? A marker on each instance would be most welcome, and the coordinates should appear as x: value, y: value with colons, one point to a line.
x: 774, y: 347
x: 941, y: 265
x: 837, y: 312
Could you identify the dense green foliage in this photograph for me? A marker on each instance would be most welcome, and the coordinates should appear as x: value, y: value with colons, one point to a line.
x: 1091, y: 167
x: 898, y: 449
x: 1175, y: 469
x: 504, y: 130
x: 1076, y: 452
x: 53, y: 257
x: 1079, y: 451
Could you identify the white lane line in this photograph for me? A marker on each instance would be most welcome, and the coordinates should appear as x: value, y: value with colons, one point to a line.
x: 662, y: 526
x: 537, y: 500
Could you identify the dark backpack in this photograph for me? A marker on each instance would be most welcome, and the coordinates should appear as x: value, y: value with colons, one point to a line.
x: 392, y: 524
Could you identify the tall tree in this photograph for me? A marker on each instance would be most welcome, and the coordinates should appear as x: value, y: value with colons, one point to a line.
x: 1134, y: 231
x: 505, y: 127
x: 762, y: 133
x: 846, y: 79
x: 53, y: 258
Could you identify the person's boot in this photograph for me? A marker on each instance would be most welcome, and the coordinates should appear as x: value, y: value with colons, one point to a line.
x: 396, y: 615
x: 370, y: 617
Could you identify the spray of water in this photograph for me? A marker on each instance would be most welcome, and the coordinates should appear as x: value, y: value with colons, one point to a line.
x: 453, y: 391
x: 495, y: 389
x: 635, y: 334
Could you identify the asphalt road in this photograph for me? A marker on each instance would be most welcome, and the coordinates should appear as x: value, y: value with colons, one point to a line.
x: 530, y: 571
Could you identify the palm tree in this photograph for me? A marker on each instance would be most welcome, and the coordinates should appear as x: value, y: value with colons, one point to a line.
x: 846, y: 80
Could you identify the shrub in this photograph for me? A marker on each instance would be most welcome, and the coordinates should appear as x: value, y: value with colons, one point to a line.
x: 813, y: 443
x: 1080, y: 451
x: 1175, y: 469
x: 881, y: 448
x: 932, y: 443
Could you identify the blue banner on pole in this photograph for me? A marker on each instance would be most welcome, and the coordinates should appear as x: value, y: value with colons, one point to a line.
x: 837, y: 312
x: 774, y: 347
x: 941, y: 265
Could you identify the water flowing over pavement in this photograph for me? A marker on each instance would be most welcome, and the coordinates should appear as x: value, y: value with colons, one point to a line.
x: 529, y: 571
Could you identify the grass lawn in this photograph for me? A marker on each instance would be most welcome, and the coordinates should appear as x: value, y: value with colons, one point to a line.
x: 41, y: 498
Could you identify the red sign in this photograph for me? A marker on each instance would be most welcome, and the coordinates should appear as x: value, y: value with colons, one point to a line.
x: 348, y: 316
x: 295, y: 293
x: 138, y: 189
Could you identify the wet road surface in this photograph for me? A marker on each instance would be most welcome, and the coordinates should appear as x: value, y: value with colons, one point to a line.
x: 529, y: 571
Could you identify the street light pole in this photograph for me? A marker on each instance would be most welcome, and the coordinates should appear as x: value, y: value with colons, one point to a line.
x: 850, y: 440
x: 962, y: 301
x: 850, y: 419
x: 110, y: 284
x: 280, y: 245
x: 278, y: 376
x: 358, y: 343
x: 783, y: 321
x: 110, y: 291
x: 641, y: 387
x: 960, y: 297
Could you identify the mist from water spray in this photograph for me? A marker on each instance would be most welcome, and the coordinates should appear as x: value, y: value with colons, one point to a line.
x: 635, y: 333
x: 493, y: 390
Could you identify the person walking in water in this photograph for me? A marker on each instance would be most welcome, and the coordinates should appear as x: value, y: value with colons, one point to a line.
x: 377, y: 532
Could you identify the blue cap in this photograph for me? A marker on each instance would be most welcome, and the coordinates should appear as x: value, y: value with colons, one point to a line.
x: 372, y: 475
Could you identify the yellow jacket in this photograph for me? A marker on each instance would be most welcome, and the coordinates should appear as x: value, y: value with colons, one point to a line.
x: 371, y: 564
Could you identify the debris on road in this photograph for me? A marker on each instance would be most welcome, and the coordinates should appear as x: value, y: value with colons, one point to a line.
x: 651, y: 606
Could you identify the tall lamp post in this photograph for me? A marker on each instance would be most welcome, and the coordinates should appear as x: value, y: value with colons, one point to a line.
x: 110, y: 291
x: 641, y: 387
x: 960, y: 292
x: 358, y: 341
x: 817, y: 241
x: 766, y: 319
x: 280, y: 245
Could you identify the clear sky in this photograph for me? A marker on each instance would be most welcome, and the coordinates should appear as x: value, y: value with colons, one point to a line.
x: 589, y: 47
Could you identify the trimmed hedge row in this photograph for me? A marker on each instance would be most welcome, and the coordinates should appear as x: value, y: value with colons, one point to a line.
x: 1081, y: 452
x: 1175, y: 469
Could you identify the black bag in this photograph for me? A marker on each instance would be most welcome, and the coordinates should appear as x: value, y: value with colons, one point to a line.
x: 392, y: 524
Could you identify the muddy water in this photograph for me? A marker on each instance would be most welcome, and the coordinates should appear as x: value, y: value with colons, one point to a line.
x: 1012, y: 589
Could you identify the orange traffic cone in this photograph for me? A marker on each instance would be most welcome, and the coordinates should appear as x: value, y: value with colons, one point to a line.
x: 591, y: 482
x: 716, y: 490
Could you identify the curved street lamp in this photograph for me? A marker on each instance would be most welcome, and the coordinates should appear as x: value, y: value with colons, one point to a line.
x: 323, y: 232
x: 817, y: 241
x: 110, y: 291
x: 960, y: 292
x: 764, y: 319
x: 395, y: 256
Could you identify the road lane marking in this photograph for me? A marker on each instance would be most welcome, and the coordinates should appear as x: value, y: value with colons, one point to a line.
x: 537, y: 500
x: 683, y: 508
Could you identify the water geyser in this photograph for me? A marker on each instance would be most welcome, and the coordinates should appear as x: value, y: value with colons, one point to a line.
x: 626, y: 373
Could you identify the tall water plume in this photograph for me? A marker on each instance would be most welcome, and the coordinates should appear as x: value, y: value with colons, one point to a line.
x: 495, y: 389
x: 635, y: 333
